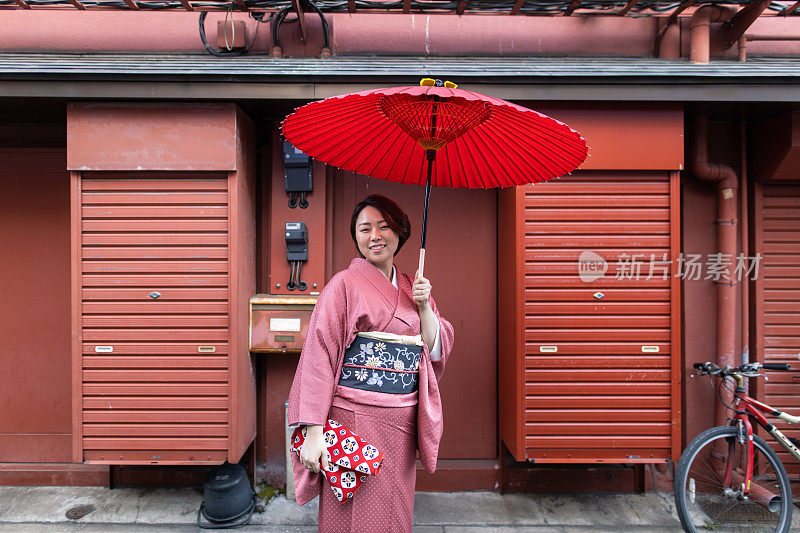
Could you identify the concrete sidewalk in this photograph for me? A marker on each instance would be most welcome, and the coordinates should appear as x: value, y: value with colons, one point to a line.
x: 45, y: 509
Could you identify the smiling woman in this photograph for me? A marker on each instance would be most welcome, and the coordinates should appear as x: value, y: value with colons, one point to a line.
x: 379, y: 229
x: 373, y: 366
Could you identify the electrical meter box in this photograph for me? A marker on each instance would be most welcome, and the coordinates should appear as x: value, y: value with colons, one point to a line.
x: 279, y: 323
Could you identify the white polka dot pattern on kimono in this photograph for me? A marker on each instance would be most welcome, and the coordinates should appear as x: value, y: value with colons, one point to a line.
x: 385, y: 502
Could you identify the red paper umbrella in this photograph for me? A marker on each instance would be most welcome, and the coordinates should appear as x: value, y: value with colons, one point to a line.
x: 475, y: 141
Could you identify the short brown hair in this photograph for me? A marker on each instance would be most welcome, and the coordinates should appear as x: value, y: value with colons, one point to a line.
x: 393, y: 214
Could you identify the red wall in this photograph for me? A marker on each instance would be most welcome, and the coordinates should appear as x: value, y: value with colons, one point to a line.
x: 35, y: 403
x: 461, y: 263
x: 698, y: 213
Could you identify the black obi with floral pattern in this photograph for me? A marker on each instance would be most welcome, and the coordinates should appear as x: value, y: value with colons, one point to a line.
x: 381, y: 365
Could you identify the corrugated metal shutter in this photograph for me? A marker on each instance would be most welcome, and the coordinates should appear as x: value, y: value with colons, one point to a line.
x: 155, y: 369
x: 599, y: 382
x: 778, y: 303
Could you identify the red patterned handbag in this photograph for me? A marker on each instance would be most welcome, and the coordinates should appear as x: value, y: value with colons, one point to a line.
x: 351, y: 458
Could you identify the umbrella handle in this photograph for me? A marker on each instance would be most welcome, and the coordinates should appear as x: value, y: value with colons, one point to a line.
x: 421, y: 268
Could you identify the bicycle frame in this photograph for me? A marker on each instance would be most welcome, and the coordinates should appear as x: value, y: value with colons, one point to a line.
x: 748, y: 409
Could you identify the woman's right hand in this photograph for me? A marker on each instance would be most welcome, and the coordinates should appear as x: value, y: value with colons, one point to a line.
x: 313, y: 451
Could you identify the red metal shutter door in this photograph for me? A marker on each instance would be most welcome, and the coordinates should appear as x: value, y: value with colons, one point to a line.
x: 778, y: 301
x: 599, y: 379
x: 155, y: 327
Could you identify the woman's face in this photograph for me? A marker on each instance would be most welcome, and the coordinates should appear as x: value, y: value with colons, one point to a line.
x: 377, y: 242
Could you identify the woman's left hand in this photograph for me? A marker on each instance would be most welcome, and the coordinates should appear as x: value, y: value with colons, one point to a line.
x: 421, y: 291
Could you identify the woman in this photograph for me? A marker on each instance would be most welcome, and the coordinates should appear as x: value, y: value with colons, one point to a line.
x: 364, y: 383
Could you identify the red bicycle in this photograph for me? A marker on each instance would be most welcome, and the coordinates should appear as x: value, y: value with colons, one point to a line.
x: 729, y: 478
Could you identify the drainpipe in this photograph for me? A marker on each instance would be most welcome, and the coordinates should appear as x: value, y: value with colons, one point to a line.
x: 727, y: 187
x: 745, y: 244
x: 700, y: 30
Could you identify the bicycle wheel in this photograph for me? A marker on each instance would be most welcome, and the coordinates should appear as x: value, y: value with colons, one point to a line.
x: 705, y: 503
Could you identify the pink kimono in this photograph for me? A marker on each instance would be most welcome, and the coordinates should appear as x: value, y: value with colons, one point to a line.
x: 362, y: 299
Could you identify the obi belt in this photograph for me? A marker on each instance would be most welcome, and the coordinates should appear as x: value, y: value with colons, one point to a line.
x: 382, y: 362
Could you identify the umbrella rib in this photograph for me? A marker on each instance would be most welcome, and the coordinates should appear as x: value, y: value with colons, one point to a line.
x: 479, y: 161
x: 463, y: 153
x: 487, y: 152
x: 415, y: 164
x: 451, y: 155
x: 523, y: 167
x: 520, y: 171
x: 462, y: 147
x: 305, y: 121
x: 319, y: 135
x: 546, y: 126
x: 565, y: 160
x: 379, y: 137
x: 387, y: 142
x: 340, y: 150
x: 324, y: 107
x: 549, y: 128
x: 539, y: 164
x: 538, y: 170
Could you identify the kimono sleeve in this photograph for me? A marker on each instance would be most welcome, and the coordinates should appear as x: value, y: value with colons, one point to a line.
x: 312, y: 389
x: 446, y: 338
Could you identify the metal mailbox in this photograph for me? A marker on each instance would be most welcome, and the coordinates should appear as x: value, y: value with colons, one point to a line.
x: 279, y: 323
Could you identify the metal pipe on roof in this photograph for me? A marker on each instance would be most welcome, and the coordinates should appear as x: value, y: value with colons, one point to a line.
x: 700, y: 30
x: 669, y: 45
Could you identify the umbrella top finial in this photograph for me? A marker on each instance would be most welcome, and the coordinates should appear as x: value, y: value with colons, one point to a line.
x: 430, y: 82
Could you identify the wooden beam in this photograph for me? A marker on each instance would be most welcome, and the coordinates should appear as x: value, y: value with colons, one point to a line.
x: 187, y: 5
x: 462, y: 6
x: 517, y: 7
x: 351, y: 6
x: 789, y: 9
x: 132, y: 4
x: 742, y: 20
x: 575, y: 4
x: 241, y: 5
x: 624, y: 11
x: 686, y: 4
x: 23, y: 4
x: 301, y: 16
x: 406, y: 6
x: 77, y: 4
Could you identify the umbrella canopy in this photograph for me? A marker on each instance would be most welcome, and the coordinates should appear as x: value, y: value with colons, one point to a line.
x: 475, y: 140
x: 479, y: 141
